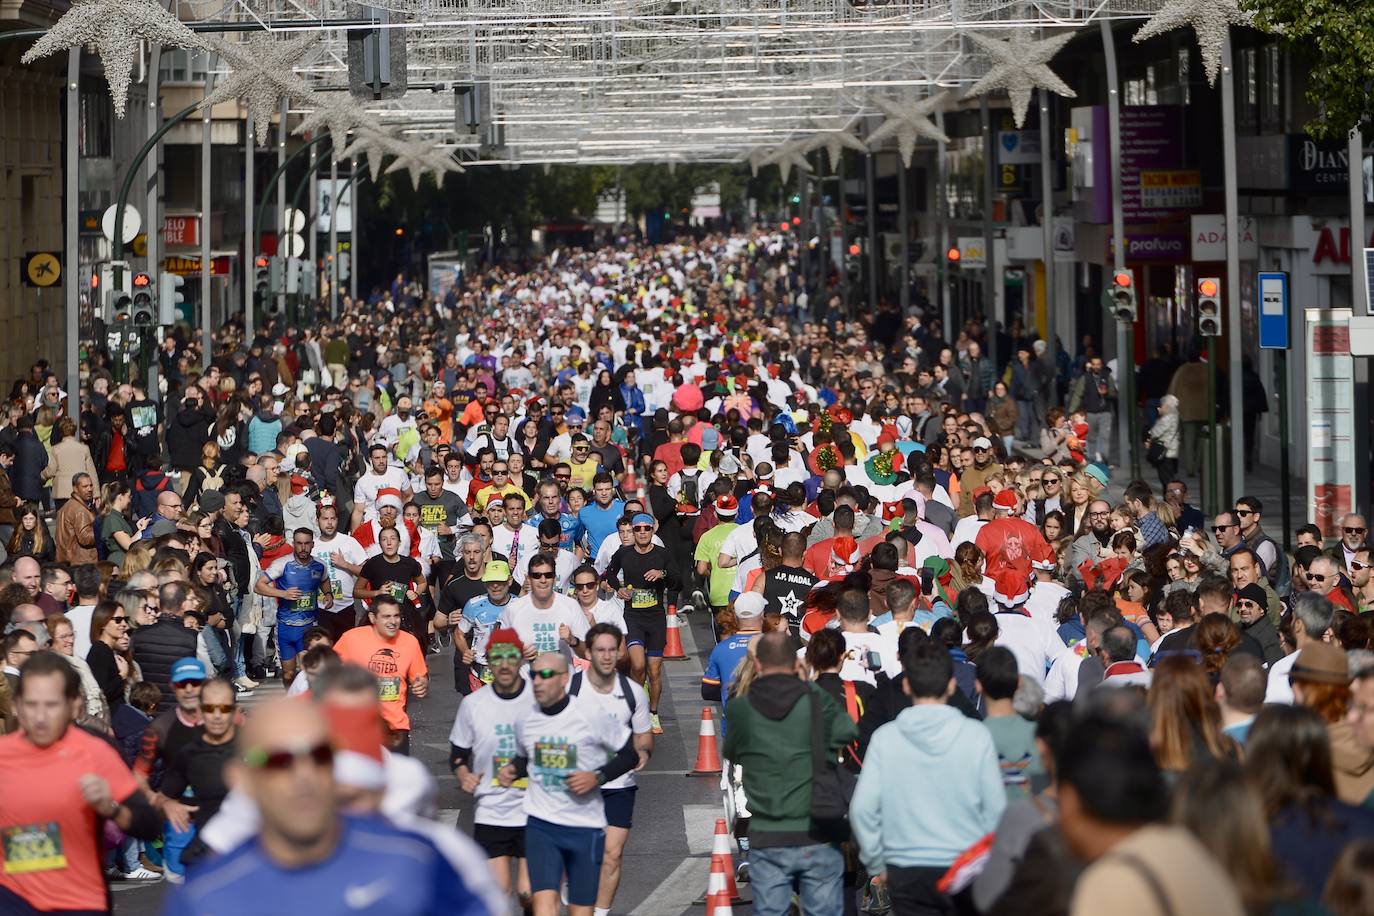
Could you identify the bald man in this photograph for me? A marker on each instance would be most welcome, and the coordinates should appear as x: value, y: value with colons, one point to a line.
x: 28, y: 573
x: 358, y: 865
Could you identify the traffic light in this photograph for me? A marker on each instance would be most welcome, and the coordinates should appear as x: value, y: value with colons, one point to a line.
x: 169, y: 296
x: 296, y: 277
x: 262, y: 276
x: 1209, y: 306
x: 345, y: 265
x: 276, y: 275
x: 143, y: 310
x: 113, y: 287
x: 1121, y: 297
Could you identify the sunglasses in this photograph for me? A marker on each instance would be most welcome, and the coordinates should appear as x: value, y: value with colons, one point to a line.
x: 497, y: 658
x: 1244, y: 513
x: 541, y: 575
x: 501, y: 472
x: 584, y: 585
x: 562, y: 477
x: 545, y: 674
x: 1353, y: 530
x: 217, y: 707
x: 181, y: 684
x: 1218, y: 529
x: 120, y: 619
x: 1316, y: 577
x: 981, y: 450
x: 321, y: 755
x: 1357, y: 567
x: 643, y: 528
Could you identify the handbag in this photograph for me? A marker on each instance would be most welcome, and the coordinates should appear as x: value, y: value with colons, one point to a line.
x: 832, y: 786
x: 1154, y: 451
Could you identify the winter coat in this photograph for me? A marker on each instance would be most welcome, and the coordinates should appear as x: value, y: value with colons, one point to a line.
x: 68, y: 458
x: 188, y: 430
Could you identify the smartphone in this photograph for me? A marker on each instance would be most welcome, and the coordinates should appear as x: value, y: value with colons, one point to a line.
x: 927, y: 581
x: 872, y: 659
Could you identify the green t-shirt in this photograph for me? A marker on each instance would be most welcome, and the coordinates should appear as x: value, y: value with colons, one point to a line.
x: 1014, y: 738
x: 707, y: 551
x: 111, y: 523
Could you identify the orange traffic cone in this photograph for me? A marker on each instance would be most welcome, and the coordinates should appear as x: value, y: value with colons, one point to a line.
x: 708, y: 755
x: 673, y: 648
x: 718, y: 901
x: 722, y: 861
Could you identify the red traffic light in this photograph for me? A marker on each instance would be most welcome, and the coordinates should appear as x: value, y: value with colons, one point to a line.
x: 855, y: 249
x: 796, y: 220
x: 260, y: 261
x: 142, y: 281
x: 953, y: 254
x: 784, y: 225
x: 1121, y: 279
x: 95, y: 281
x: 1208, y: 287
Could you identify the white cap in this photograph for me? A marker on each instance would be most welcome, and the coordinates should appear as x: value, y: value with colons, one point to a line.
x: 750, y: 604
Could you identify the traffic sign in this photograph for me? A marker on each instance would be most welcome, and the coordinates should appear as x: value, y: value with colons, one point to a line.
x: 292, y: 245
x: 1273, y: 315
x: 42, y: 269
x: 293, y: 219
x: 132, y: 223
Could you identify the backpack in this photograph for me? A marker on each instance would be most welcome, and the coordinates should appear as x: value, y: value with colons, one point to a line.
x: 575, y: 686
x: 691, y: 488
x: 212, y: 479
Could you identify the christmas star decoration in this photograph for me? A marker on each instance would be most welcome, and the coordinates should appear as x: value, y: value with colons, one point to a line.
x: 1210, y: 19
x: 420, y: 156
x: 335, y: 118
x: 262, y: 73
x: 790, y: 156
x: 373, y: 144
x: 1019, y: 66
x: 758, y: 157
x: 834, y: 135
x: 908, y: 119
x: 115, y: 27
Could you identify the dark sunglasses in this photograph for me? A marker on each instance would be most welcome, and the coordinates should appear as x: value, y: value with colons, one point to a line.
x: 562, y: 477
x: 124, y: 619
x: 1218, y: 529
x: 180, y: 684
x: 1316, y: 577
x: 593, y: 584
x: 1356, y: 567
x: 1243, y: 513
x: 643, y: 528
x: 1353, y: 530
x: 541, y: 575
x: 545, y: 674
x: 321, y: 755
x: 217, y: 707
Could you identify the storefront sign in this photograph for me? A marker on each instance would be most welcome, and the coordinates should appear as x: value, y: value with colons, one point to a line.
x: 1152, y: 246
x: 181, y: 231
x: 1018, y: 147
x: 1151, y: 141
x: 190, y: 267
x: 1329, y: 250
x: 1209, y: 238
x: 1170, y: 189
x: 1330, y: 417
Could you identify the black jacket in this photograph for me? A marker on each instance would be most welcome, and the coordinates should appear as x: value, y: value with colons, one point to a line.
x: 27, y: 472
x: 188, y: 430
x: 158, y: 647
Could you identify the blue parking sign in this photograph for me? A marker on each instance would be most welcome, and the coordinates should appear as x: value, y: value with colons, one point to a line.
x: 1273, y: 313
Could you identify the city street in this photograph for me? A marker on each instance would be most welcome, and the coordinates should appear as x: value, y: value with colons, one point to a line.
x: 668, y: 857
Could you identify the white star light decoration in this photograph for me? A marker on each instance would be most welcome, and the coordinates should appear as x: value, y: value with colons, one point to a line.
x: 373, y: 144
x: 1019, y: 66
x: 907, y: 120
x: 262, y: 73
x: 759, y: 157
x: 790, y: 156
x: 115, y: 27
x: 835, y: 135
x: 1210, y: 19
x: 420, y: 156
x: 335, y: 118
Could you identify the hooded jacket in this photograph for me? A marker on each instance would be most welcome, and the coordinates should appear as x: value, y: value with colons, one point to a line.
x: 930, y: 788
x: 770, y: 737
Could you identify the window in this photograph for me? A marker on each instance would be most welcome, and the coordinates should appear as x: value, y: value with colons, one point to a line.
x: 178, y: 65
x: 1247, y: 90
x: 1184, y: 72
x: 1271, y: 90
x: 95, y: 130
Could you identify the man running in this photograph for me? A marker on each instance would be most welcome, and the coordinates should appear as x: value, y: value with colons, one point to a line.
x: 546, y: 620
x: 475, y: 623
x: 481, y: 743
x: 641, y: 578
x: 299, y: 582
x: 626, y: 703
x: 395, y: 658
x: 568, y: 749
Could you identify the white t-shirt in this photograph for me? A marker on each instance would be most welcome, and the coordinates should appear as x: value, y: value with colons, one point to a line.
x: 580, y: 737
x: 617, y: 707
x: 857, y: 646
x: 365, y: 491
x: 609, y: 610
x: 1278, y: 690
x: 1043, y: 603
x: 80, y: 616
x: 486, y: 724
x: 740, y: 543
x: 966, y: 530
x: 341, y: 580
x: 1035, y: 645
x: 565, y: 561
x: 539, y: 627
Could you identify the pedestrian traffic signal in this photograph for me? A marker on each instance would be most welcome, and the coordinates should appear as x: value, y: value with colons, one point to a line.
x: 143, y: 310
x: 1121, y: 300
x: 276, y: 275
x: 1209, y: 306
x: 169, y: 296
x: 262, y: 276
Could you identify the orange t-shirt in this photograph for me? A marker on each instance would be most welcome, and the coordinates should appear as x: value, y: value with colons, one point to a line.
x: 50, y: 852
x: 395, y: 662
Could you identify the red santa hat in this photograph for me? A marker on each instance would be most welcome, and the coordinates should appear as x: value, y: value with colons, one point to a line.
x: 356, y: 733
x: 1011, y: 588
x: 389, y: 496
x: 1005, y: 500
x: 846, y: 550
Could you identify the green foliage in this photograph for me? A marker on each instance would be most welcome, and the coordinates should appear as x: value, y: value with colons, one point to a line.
x: 1336, y: 38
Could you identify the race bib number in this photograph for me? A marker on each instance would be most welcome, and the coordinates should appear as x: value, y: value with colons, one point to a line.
x: 389, y: 689
x: 643, y: 598
x: 497, y: 762
x: 555, y: 755
x: 32, y: 848
x: 304, y: 603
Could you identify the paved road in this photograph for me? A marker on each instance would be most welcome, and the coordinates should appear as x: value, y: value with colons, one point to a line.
x: 668, y: 857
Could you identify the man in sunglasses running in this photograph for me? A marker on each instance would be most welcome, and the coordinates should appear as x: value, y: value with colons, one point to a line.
x: 641, y: 578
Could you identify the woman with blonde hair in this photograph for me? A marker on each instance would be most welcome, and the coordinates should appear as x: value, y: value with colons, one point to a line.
x: 137, y: 559
x: 67, y: 458
x: 1080, y: 492
x: 208, y: 475
x: 1185, y: 721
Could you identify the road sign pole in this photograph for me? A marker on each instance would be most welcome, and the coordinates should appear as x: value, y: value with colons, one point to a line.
x: 1211, y: 501
x: 1281, y: 366
x: 72, y: 240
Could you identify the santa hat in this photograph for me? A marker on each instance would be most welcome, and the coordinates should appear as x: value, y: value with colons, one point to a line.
x: 356, y: 733
x: 1011, y: 588
x: 505, y: 636
x: 1046, y: 561
x: 846, y: 550
x: 1005, y: 500
x: 389, y: 496
x: 299, y: 485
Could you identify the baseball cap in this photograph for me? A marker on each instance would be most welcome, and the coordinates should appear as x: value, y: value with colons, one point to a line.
x: 982, y: 442
x: 496, y: 571
x: 188, y: 669
x: 642, y: 518
x: 750, y: 604
x: 575, y: 413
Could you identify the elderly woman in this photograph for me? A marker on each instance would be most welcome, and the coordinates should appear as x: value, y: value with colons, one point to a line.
x: 93, y: 709
x: 1162, y: 441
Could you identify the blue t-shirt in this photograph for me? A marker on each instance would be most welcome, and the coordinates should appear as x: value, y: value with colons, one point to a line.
x: 600, y: 523
x: 285, y: 572
x: 573, y: 530
x: 724, y: 660
x: 480, y: 617
x: 376, y: 870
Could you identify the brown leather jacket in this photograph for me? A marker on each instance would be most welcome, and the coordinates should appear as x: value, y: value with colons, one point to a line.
x: 75, y: 533
x: 8, y: 501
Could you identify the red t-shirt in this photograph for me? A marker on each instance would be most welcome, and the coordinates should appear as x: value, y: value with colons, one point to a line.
x: 115, y: 462
x: 395, y: 662
x: 50, y: 849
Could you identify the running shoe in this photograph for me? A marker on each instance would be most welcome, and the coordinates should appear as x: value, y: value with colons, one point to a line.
x: 247, y: 683
x: 657, y: 726
x: 142, y: 874
x: 699, y: 599
x: 172, y: 877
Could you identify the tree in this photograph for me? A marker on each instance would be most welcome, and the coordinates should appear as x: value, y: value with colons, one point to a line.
x: 1336, y: 38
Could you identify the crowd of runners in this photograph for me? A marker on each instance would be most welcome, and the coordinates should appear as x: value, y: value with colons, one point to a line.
x: 961, y: 664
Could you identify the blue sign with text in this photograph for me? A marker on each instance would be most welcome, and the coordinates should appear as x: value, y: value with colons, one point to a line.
x: 1273, y: 313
